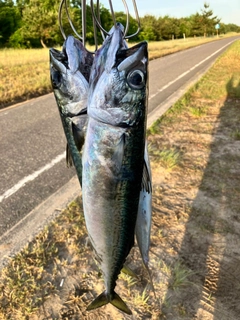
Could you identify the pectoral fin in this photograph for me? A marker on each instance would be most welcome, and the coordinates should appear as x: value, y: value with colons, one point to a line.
x: 118, y: 154
x: 68, y: 157
x: 79, y: 139
x: 146, y: 178
x: 78, y: 128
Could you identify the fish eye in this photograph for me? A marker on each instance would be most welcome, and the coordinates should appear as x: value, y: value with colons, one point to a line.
x: 135, y: 79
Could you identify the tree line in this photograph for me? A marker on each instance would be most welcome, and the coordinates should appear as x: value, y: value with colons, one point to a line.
x: 34, y: 23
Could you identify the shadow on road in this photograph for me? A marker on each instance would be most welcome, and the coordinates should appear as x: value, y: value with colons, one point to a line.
x: 213, y: 251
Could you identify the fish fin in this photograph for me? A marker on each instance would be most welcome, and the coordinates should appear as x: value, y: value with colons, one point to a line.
x: 117, y: 302
x: 128, y: 271
x: 68, y: 157
x: 78, y: 135
x: 150, y: 278
x: 119, y: 152
x: 82, y: 112
x: 78, y: 131
x: 105, y: 298
x: 146, y: 178
x: 100, y: 301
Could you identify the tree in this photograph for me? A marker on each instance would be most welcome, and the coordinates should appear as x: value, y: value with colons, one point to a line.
x: 7, y: 3
x: 34, y: 23
x: 185, y: 27
x: 207, y: 20
x: 133, y: 25
x: 148, y: 28
x: 106, y: 23
x: 231, y: 27
x: 168, y: 27
x: 40, y: 21
x: 9, y: 21
x: 196, y: 26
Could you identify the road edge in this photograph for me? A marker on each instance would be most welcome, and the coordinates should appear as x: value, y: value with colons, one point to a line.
x: 170, y: 101
x: 34, y: 222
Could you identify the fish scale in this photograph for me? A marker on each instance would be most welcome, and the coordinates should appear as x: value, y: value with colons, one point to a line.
x: 113, y: 188
x: 113, y: 156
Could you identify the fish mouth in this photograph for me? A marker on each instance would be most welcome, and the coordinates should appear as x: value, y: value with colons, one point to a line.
x: 59, y: 55
x: 58, y: 60
x: 105, y: 57
x: 117, y: 43
x: 62, y: 60
x: 73, y: 57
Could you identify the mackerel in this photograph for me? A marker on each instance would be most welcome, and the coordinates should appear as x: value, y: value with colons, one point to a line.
x: 113, y: 156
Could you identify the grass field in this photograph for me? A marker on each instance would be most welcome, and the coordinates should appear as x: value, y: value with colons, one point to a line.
x: 194, y: 259
x: 24, y: 73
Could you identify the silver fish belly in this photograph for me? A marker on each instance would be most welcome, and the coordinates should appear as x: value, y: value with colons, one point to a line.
x: 144, y: 217
x: 113, y: 156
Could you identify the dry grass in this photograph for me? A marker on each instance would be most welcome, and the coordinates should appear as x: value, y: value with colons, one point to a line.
x: 33, y: 275
x: 24, y: 73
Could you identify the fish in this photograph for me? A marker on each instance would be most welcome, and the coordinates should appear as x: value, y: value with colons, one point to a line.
x: 69, y: 74
x: 75, y: 57
x: 113, y: 156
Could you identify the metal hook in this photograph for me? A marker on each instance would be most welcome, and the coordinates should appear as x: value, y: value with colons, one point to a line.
x: 138, y: 21
x: 60, y: 19
x: 96, y: 20
x: 63, y: 2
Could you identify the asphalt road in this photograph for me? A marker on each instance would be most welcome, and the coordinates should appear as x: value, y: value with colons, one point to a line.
x: 32, y: 143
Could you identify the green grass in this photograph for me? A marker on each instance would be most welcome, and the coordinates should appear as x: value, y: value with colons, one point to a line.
x: 198, y: 112
x: 179, y: 276
x: 142, y: 298
x: 167, y: 157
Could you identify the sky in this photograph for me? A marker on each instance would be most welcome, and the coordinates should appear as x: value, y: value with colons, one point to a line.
x: 227, y: 10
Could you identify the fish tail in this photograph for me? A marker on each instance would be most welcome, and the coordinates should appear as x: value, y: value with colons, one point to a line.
x: 145, y: 262
x: 117, y: 302
x: 105, y: 298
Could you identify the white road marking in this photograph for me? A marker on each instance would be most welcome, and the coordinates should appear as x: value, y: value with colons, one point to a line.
x: 186, y: 72
x: 31, y: 177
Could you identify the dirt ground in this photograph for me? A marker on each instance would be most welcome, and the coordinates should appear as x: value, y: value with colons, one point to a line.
x: 195, y: 240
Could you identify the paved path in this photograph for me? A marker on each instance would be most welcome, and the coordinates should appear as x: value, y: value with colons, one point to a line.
x: 32, y: 145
